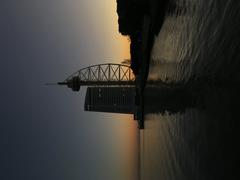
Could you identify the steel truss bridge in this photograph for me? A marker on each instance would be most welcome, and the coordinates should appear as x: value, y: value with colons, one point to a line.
x: 101, y: 75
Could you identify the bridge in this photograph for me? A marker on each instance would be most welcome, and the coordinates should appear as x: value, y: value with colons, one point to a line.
x: 109, y: 74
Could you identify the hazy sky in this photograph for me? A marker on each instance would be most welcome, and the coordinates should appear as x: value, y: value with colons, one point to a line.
x: 45, y: 134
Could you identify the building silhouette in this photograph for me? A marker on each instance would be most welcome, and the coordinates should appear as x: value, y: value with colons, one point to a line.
x: 110, y: 88
x: 110, y: 99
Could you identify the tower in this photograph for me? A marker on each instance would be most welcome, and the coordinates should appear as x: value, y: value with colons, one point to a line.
x: 110, y: 99
x: 110, y: 88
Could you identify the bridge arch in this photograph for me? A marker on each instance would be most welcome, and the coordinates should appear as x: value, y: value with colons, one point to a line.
x: 108, y: 72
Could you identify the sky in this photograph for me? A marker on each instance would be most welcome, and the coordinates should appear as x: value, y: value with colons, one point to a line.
x: 44, y: 132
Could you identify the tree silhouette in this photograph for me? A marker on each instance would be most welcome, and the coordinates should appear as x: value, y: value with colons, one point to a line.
x: 129, y: 16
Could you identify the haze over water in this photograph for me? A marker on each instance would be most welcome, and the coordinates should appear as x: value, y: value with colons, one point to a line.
x: 191, y: 132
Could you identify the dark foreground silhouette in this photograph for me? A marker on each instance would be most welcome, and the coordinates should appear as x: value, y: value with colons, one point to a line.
x: 131, y: 20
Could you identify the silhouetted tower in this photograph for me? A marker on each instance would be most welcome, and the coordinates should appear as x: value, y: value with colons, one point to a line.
x: 110, y: 99
x: 111, y: 88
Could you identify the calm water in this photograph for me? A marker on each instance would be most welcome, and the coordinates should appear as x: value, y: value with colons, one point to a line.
x: 191, y: 131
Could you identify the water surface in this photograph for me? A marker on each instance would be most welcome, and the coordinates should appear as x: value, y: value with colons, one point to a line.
x: 191, y: 131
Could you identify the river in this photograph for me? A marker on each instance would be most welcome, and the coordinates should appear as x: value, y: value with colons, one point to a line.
x: 191, y: 129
